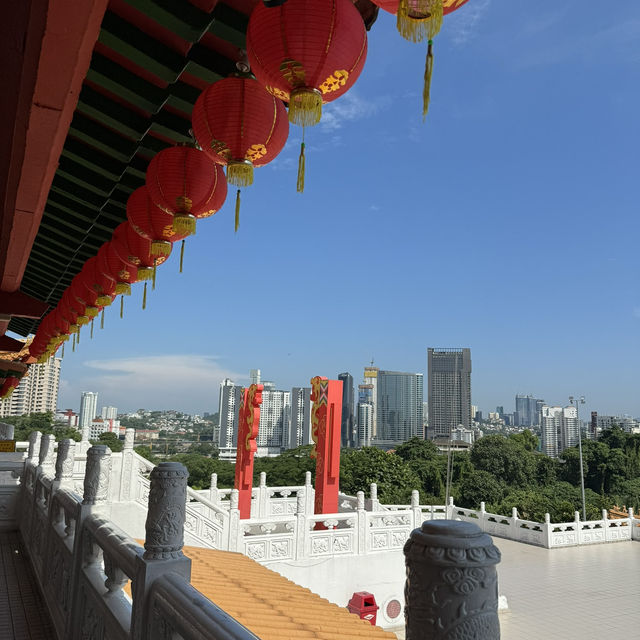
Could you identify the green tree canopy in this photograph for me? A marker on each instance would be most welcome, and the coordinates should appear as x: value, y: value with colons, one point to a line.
x: 417, y: 449
x: 479, y: 486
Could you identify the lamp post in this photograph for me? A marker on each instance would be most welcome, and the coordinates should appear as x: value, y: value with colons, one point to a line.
x: 577, y: 402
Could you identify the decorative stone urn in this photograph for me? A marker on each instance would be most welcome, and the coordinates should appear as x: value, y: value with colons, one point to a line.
x: 451, y: 591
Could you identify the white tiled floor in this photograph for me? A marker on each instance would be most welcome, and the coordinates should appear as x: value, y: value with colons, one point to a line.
x: 581, y: 593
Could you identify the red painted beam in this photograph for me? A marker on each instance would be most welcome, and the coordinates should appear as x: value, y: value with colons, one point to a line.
x: 21, y: 305
x: 46, y: 48
x: 10, y: 344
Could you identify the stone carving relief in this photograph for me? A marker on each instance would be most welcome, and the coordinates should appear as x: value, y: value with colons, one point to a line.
x: 256, y: 551
x: 97, y: 474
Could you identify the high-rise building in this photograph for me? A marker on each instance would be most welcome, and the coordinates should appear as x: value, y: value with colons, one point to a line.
x: 230, y: 399
x: 300, y: 423
x: 371, y: 378
x: 365, y: 424
x: 449, y: 390
x: 560, y: 429
x: 275, y: 414
x: 37, y: 391
x: 109, y: 413
x: 347, y: 429
x: 88, y: 408
x: 254, y: 376
x: 528, y: 409
x: 399, y: 406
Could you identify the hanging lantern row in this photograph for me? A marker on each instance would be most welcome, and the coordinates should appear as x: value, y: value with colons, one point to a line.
x: 11, y: 372
x: 304, y: 53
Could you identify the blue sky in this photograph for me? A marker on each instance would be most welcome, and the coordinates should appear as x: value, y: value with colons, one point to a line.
x: 507, y: 222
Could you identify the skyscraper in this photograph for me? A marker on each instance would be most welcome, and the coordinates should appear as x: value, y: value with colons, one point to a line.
x: 347, y: 429
x: 230, y: 400
x: 560, y: 429
x: 371, y: 379
x: 109, y: 413
x: 528, y: 410
x: 449, y: 390
x: 399, y: 406
x: 37, y: 391
x: 365, y: 424
x: 88, y: 408
x: 300, y: 422
x: 275, y: 413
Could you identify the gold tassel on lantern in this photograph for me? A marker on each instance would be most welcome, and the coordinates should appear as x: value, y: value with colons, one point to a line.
x: 145, y: 273
x: 103, y: 301
x: 240, y: 173
x: 181, y: 255
x: 184, y: 223
x: 153, y: 279
x: 418, y: 20
x: 102, y: 320
x: 91, y: 333
x: 121, y: 307
x: 428, y: 70
x: 144, y: 297
x: 160, y: 248
x: 237, y: 210
x: 73, y: 344
x: 123, y: 288
x: 301, y: 166
x: 78, y: 336
x: 305, y: 106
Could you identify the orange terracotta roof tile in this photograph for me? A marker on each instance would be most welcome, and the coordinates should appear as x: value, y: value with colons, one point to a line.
x: 270, y: 605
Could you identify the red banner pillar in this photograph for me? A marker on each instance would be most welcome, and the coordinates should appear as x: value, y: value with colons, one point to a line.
x: 248, y: 423
x: 326, y: 416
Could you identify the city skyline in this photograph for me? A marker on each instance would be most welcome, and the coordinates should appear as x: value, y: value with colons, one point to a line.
x: 458, y: 253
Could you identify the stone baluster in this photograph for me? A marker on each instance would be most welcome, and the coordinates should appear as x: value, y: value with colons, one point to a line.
x: 547, y: 529
x: 415, y: 508
x: 635, y: 532
x: 361, y: 523
x: 515, y: 527
x: 128, y: 468
x: 301, y: 523
x: 35, y: 438
x: 64, y: 463
x: 578, y: 527
x: 213, y: 489
x: 163, y: 542
x: 235, y: 533
x: 129, y: 438
x: 452, y: 583
x: 47, y: 463
x: 309, y: 492
x: 97, y: 475
x: 85, y: 445
x: 263, y: 496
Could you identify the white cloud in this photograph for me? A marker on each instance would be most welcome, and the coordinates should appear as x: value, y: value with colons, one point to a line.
x: 350, y: 107
x: 462, y: 24
x: 185, y: 382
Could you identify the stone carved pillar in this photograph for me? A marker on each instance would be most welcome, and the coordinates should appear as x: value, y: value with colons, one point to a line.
x: 301, y: 522
x: 84, y: 442
x: 361, y: 523
x: 34, y: 445
x: 64, y: 461
x: 452, y: 584
x: 166, y: 513
x: 97, y: 475
x: 129, y: 438
x: 235, y: 533
x: 6, y: 431
x: 213, y: 488
x: 47, y: 463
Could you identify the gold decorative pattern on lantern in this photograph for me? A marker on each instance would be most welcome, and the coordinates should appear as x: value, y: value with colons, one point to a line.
x: 167, y: 231
x: 221, y: 148
x: 183, y: 203
x: 293, y: 72
x: 278, y: 93
x: 255, y: 152
x: 336, y: 80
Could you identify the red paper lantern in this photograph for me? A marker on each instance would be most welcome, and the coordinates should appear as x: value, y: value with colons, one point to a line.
x: 123, y: 273
x: 418, y: 20
x: 307, y: 52
x: 101, y: 289
x: 151, y: 222
x: 239, y: 124
x: 186, y: 183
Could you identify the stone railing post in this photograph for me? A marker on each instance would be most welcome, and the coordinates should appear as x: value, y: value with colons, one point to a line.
x: 213, y: 489
x: 514, y: 523
x: 373, y: 492
x: 263, y: 496
x: 547, y: 530
x: 301, y: 523
x: 482, y: 520
x: 415, y: 508
x: 85, y: 445
x: 46, y: 464
x: 578, y: 527
x: 64, y: 464
x: 234, y: 522
x: 635, y: 532
x: 163, y: 542
x: 128, y: 470
x: 97, y: 474
x: 452, y: 583
x: 309, y: 492
x: 6, y: 431
x: 361, y: 523
x: 450, y: 508
x: 35, y: 438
